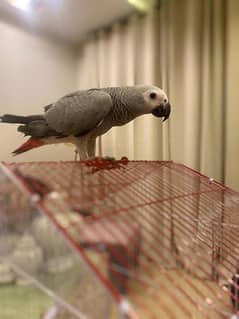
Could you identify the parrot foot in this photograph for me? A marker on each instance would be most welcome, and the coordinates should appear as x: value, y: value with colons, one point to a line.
x: 99, y: 163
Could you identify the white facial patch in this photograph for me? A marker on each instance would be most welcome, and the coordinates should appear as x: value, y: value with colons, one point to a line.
x: 154, y: 97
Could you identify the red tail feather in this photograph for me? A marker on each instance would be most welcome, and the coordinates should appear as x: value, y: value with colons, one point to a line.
x: 28, y: 145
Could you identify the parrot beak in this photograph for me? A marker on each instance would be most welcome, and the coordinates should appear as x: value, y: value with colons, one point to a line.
x: 163, y: 110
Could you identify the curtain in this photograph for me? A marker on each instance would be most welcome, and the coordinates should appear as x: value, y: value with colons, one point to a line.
x: 181, y: 47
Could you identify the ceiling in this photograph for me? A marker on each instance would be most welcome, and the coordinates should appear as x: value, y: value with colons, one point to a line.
x: 67, y: 20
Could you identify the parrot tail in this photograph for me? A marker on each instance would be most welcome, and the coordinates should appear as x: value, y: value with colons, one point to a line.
x: 28, y: 145
x: 10, y: 118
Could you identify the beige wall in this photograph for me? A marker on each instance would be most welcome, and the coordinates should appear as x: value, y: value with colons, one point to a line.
x: 232, y: 119
x: 34, y: 71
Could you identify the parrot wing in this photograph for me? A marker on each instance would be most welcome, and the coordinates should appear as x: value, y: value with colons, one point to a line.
x: 78, y: 113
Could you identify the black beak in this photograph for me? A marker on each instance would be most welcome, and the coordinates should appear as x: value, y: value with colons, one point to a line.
x: 163, y: 110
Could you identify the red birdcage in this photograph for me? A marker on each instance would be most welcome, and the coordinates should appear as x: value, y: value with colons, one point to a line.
x: 121, y: 239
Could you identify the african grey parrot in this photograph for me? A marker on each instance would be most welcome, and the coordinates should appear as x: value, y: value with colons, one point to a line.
x: 82, y: 116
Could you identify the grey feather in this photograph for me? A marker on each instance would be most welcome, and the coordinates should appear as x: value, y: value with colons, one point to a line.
x: 47, y: 107
x: 19, y: 119
x: 79, y: 112
x: 37, y: 129
x: 127, y: 104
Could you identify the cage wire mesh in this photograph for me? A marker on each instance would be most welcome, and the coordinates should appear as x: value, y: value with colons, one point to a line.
x: 131, y: 239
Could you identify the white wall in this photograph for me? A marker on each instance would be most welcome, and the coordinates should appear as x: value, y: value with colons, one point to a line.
x: 34, y: 71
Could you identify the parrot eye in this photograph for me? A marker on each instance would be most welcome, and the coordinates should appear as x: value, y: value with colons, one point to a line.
x: 153, y: 95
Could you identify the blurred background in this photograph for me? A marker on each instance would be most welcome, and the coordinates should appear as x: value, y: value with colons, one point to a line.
x: 190, y: 48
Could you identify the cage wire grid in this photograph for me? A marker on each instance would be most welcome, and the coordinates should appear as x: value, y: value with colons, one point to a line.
x: 168, y: 234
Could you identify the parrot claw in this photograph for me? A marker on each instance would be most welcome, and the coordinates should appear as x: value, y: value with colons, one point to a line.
x: 99, y: 163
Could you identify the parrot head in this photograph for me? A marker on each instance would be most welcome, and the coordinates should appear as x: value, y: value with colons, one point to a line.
x: 157, y: 101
